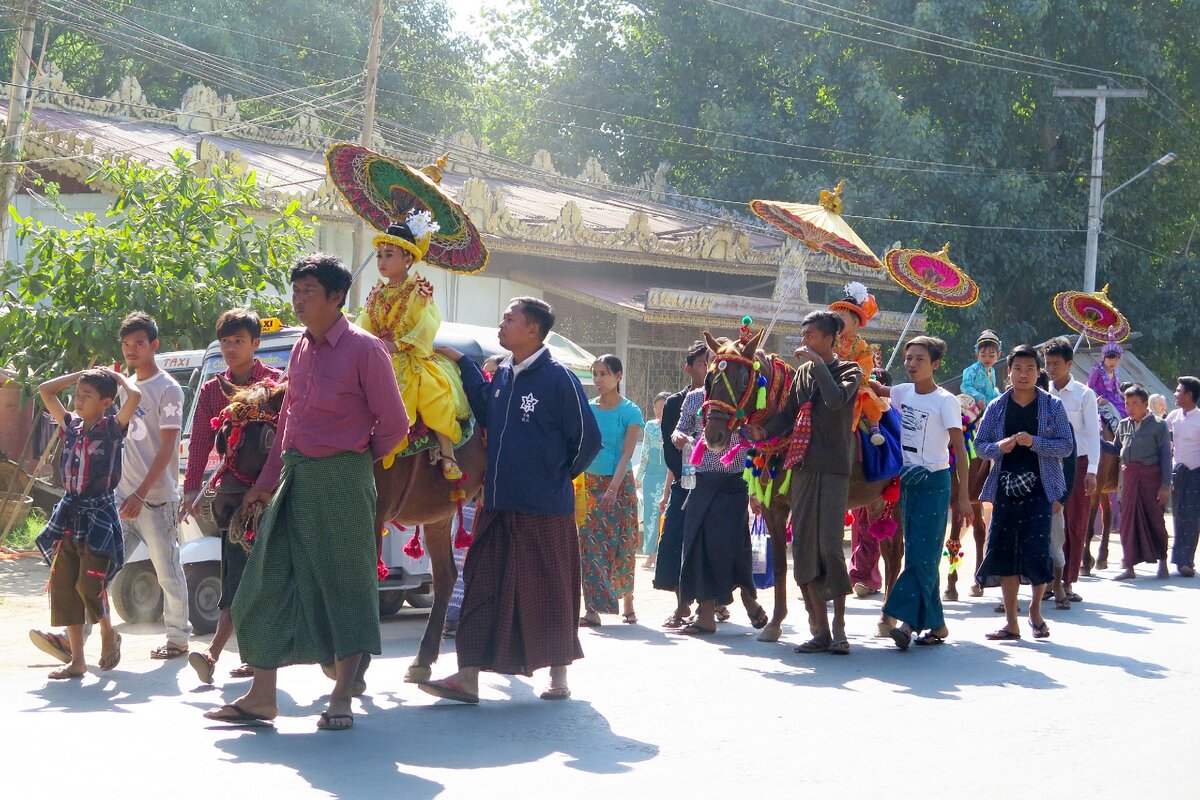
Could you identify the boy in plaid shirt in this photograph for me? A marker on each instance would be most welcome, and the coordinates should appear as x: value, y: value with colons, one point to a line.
x: 82, y: 541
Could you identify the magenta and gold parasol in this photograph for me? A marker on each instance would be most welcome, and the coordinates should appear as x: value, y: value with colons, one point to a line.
x: 932, y: 276
x: 1092, y: 315
x: 383, y: 190
x: 820, y: 226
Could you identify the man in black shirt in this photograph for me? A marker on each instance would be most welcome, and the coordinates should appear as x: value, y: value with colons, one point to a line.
x: 670, y: 546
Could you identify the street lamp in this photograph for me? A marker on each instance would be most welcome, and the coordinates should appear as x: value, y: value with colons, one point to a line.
x: 1096, y: 216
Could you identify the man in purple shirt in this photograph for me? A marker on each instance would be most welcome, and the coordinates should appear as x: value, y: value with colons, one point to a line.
x: 309, y: 592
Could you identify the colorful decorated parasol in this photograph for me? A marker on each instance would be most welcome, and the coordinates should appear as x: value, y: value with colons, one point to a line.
x: 382, y: 190
x: 1092, y: 315
x: 820, y: 226
x: 932, y: 277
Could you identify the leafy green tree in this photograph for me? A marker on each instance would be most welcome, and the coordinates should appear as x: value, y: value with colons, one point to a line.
x: 251, y: 48
x: 180, y: 245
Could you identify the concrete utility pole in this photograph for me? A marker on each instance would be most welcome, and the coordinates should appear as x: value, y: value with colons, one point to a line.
x: 359, y: 240
x: 14, y: 128
x: 1096, y: 193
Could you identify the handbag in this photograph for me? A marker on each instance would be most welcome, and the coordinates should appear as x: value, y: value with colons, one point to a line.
x: 883, y: 461
x: 760, y: 554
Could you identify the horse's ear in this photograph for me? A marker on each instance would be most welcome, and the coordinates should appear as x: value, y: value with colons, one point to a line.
x: 711, y: 342
x: 751, y: 347
x: 228, y: 388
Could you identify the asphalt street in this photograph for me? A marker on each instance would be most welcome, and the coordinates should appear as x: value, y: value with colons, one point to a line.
x: 1107, y: 707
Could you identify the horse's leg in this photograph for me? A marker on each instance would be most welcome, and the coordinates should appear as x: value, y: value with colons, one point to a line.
x: 1106, y: 529
x: 777, y: 517
x: 956, y: 527
x: 1093, y: 507
x: 979, y: 531
x: 441, y: 557
x: 892, y: 550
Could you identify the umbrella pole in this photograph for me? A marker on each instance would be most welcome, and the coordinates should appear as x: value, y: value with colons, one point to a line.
x: 904, y: 332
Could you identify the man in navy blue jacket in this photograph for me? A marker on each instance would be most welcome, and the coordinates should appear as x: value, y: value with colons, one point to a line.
x: 521, y: 580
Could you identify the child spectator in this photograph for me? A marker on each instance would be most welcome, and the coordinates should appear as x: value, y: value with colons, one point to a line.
x: 82, y: 541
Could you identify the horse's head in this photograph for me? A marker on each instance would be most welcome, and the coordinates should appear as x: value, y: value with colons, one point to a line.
x: 730, y: 388
x: 245, y: 433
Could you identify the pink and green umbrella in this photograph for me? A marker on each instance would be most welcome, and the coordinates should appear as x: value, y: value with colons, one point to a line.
x: 931, y: 277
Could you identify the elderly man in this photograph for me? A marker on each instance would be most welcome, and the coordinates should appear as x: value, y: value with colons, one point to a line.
x: 522, y: 579
x: 823, y: 400
x: 309, y: 594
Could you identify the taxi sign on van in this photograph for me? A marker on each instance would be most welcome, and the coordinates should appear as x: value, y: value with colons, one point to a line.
x: 272, y: 325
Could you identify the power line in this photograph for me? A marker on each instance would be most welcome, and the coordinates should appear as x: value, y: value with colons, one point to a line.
x: 932, y: 37
x: 948, y: 166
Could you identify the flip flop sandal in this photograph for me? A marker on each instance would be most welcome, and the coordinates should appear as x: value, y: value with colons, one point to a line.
x: 450, y: 469
x: 723, y: 615
x: 629, y: 619
x: 168, y: 651
x: 1074, y: 598
x: 1002, y: 635
x: 556, y: 693
x: 110, y: 659
x: 1041, y: 631
x: 813, y: 646
x: 673, y: 622
x: 693, y: 629
x: 901, y: 637
x: 448, y: 689
x: 1063, y: 605
x: 63, y: 674
x: 244, y: 671
x: 240, y: 717
x: 204, y: 664
x: 839, y: 647
x: 584, y: 622
x: 52, y: 644
x: 326, y: 720
x: 928, y: 639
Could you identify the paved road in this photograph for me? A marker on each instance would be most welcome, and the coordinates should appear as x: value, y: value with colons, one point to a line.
x: 1106, y: 708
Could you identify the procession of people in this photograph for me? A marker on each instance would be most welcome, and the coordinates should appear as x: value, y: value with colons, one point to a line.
x: 557, y: 530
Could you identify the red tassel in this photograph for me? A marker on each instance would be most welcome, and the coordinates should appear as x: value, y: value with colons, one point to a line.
x: 463, y: 538
x: 891, y: 492
x: 414, y: 549
x: 215, y: 422
x: 381, y: 569
x: 849, y: 519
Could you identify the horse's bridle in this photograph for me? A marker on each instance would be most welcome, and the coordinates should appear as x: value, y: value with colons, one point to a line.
x: 771, y: 388
x: 238, y: 416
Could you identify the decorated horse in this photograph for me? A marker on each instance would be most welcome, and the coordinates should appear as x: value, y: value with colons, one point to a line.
x: 977, y: 474
x: 748, y: 387
x: 411, y: 492
x: 1108, y: 477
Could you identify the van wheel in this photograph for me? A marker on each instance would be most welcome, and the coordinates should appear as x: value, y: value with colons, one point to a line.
x: 390, y: 602
x: 135, y: 593
x: 420, y: 598
x: 204, y: 595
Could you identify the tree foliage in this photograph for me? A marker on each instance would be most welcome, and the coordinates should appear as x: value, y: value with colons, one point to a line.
x: 247, y: 47
x: 767, y: 98
x: 180, y: 245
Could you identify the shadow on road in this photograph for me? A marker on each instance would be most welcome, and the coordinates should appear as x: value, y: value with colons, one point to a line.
x: 374, y: 756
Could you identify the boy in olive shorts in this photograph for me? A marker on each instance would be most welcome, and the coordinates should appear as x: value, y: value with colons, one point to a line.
x: 82, y: 541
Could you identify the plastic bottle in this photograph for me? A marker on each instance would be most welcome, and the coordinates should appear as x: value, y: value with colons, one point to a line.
x: 688, y: 479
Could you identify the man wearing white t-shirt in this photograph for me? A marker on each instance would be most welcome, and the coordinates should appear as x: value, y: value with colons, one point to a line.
x: 1079, y: 402
x: 148, y: 494
x: 931, y: 422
